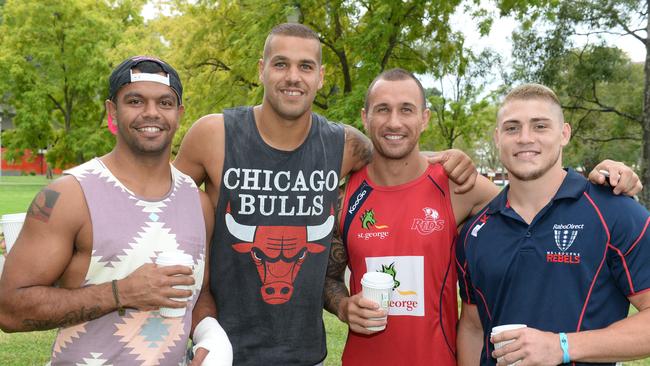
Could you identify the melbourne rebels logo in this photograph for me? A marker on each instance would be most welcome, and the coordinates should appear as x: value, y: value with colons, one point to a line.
x: 565, y: 235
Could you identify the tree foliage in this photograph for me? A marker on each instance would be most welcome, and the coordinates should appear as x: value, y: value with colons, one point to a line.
x: 461, y: 111
x: 56, y: 56
x: 602, y: 92
x: 54, y: 66
x: 217, y: 44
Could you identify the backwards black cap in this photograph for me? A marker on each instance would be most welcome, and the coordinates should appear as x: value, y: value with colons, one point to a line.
x: 123, y: 75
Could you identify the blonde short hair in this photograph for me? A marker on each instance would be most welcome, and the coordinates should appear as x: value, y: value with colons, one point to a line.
x: 532, y: 91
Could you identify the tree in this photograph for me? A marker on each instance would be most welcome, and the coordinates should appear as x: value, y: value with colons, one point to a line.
x: 2, y: 4
x: 217, y: 44
x: 601, y: 94
x: 54, y: 66
x: 545, y: 44
x: 459, y: 109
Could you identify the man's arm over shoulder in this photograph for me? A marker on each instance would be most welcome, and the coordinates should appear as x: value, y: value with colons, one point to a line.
x: 467, y: 204
x: 357, y: 151
x: 202, y: 150
x: 458, y: 165
x: 616, y: 174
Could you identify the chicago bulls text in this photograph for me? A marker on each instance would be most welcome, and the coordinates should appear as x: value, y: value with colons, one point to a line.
x: 273, y: 184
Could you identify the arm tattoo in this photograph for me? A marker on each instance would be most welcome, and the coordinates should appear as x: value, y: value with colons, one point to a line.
x: 359, y: 144
x: 72, y: 318
x: 43, y: 204
x: 335, y: 290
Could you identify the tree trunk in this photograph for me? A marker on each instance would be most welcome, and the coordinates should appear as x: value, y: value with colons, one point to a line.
x: 645, y: 155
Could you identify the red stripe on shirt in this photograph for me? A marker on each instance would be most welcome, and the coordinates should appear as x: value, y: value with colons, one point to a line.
x: 640, y: 236
x: 602, y: 261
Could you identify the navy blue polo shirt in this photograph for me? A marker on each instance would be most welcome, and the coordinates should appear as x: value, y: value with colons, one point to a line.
x: 570, y: 270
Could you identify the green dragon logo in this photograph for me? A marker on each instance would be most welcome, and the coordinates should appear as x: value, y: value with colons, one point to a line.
x: 367, y: 219
x: 391, y: 271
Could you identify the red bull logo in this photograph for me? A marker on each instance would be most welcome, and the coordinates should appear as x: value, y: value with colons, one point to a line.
x: 278, y: 252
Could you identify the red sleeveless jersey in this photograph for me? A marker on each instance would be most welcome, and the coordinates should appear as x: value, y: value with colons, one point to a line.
x: 407, y: 231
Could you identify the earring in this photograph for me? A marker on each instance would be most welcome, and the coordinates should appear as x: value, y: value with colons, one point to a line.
x: 111, y: 126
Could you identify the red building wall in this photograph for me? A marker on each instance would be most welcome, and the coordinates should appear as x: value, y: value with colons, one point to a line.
x: 30, y: 163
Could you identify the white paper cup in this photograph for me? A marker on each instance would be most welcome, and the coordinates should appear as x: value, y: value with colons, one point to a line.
x: 11, y: 226
x: 503, y: 328
x: 378, y: 287
x: 172, y: 259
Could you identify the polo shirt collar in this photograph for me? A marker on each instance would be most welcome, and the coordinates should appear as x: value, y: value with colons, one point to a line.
x: 572, y: 186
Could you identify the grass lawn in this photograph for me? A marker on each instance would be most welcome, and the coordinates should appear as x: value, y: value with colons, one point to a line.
x: 16, y: 193
x: 31, y: 348
x: 34, y: 348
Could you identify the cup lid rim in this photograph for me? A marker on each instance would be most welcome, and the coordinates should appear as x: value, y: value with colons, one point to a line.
x: 174, y: 257
x: 377, y: 280
x: 14, y: 216
x: 506, y: 327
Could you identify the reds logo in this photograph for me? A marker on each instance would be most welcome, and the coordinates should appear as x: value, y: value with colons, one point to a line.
x: 278, y: 252
x: 430, y: 223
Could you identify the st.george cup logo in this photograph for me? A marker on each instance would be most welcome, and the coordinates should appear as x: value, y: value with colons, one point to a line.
x: 565, y: 234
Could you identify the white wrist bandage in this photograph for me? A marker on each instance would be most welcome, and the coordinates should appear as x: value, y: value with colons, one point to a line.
x: 208, y: 334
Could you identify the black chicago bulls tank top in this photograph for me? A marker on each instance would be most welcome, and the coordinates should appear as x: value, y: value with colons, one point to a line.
x: 271, y: 244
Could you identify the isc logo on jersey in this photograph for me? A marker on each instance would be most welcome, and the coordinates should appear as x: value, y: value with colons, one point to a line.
x: 408, y: 277
x: 483, y: 220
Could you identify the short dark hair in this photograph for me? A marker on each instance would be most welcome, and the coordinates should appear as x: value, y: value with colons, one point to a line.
x: 395, y: 75
x: 293, y: 30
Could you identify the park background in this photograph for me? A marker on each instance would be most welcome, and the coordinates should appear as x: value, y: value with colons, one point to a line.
x: 56, y: 56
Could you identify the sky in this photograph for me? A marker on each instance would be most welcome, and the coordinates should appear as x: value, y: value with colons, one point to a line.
x: 499, y: 39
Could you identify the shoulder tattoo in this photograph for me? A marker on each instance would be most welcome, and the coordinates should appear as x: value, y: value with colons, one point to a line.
x: 43, y: 204
x: 359, y: 145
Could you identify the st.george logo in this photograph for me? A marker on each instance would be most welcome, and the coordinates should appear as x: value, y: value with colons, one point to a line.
x: 368, y: 220
x: 391, y: 270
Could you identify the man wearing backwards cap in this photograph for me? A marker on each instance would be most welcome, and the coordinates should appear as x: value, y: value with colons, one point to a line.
x: 83, y: 262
